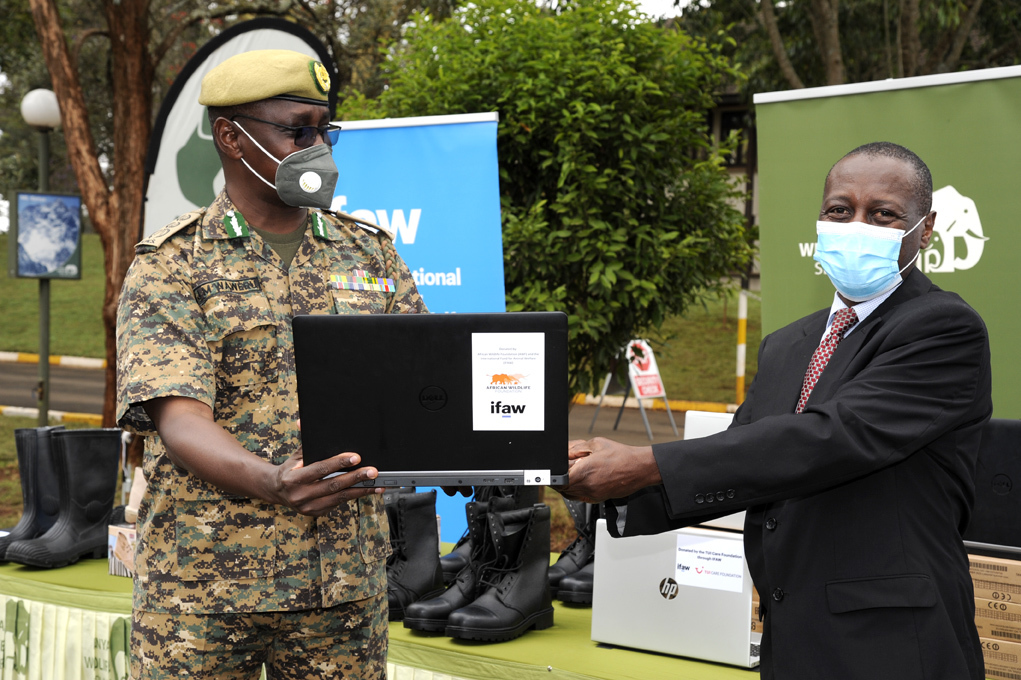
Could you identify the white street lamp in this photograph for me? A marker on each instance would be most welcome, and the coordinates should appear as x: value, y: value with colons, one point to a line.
x: 40, y: 110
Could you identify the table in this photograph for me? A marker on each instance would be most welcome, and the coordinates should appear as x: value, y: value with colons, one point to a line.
x: 74, y: 624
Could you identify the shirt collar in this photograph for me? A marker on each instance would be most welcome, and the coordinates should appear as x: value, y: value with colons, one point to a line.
x: 862, y: 309
x: 224, y: 221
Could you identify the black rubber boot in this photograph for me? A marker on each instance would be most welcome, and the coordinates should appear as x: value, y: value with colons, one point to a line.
x: 39, y: 491
x: 581, y: 549
x: 413, y: 570
x: 521, y: 496
x: 431, y: 615
x: 86, y: 463
x: 516, y: 596
x: 576, y: 588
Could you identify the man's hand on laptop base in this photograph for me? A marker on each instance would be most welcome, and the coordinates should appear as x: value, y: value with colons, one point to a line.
x: 600, y: 469
x: 315, y: 489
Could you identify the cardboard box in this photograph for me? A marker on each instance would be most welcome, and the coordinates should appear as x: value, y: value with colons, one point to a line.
x: 1003, y: 659
x: 998, y: 620
x: 756, y: 618
x: 994, y: 569
x: 993, y: 590
x: 120, y: 545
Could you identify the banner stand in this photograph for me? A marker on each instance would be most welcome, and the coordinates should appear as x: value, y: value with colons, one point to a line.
x: 643, y: 379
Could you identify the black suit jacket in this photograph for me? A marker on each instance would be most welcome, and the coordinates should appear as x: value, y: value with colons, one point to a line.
x: 857, y: 505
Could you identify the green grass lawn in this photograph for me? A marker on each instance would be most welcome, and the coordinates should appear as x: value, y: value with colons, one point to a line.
x: 76, y: 324
x: 697, y: 353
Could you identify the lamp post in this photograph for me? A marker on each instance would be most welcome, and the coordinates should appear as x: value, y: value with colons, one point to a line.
x: 40, y: 110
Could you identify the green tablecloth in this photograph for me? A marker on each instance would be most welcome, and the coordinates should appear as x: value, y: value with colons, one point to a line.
x: 563, y: 651
x: 84, y: 585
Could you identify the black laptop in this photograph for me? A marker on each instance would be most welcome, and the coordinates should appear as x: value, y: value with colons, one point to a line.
x: 437, y: 399
x: 995, y: 526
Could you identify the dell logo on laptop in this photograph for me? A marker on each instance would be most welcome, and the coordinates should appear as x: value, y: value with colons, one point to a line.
x: 432, y: 398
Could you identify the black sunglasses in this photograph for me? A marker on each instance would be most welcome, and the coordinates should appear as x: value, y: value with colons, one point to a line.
x: 304, y: 135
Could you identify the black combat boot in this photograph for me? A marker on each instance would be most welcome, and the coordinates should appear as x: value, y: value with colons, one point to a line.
x: 431, y: 615
x: 522, y: 497
x: 516, y: 596
x: 576, y: 588
x: 413, y: 570
x: 40, y: 494
x: 86, y: 463
x: 581, y: 549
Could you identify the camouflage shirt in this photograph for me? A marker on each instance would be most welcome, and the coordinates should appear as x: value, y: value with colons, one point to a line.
x: 205, y: 313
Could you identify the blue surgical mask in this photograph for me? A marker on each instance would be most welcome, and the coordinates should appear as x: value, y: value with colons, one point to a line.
x: 860, y: 259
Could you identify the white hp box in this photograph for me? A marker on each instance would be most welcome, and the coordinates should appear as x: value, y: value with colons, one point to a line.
x: 685, y: 592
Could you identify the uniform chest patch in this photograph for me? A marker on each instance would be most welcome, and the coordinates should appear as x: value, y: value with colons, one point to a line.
x: 242, y: 286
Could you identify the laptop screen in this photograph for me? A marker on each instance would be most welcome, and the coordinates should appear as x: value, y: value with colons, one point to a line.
x: 437, y: 398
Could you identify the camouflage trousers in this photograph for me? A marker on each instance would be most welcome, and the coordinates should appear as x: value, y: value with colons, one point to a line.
x: 347, y: 641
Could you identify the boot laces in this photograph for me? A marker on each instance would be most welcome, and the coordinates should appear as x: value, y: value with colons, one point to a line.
x: 576, y: 547
x: 492, y: 574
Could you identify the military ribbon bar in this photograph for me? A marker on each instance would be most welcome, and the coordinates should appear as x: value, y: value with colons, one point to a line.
x: 360, y: 280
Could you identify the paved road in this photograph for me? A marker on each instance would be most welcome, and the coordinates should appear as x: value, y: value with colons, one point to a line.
x: 79, y: 390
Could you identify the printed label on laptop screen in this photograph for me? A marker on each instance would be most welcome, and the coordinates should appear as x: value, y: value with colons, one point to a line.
x: 508, y: 374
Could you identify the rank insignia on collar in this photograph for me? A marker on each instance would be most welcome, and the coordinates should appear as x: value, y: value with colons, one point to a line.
x: 318, y: 225
x: 235, y: 224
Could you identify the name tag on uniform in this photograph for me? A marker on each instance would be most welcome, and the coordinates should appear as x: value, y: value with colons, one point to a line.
x: 360, y: 280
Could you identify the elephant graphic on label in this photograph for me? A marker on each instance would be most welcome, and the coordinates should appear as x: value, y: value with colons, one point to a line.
x: 957, y: 240
x: 504, y: 379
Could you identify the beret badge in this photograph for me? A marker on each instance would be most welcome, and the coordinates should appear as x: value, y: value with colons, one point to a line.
x: 320, y: 75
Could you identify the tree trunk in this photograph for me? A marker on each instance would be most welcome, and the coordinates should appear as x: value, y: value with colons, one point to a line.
x: 768, y: 19
x: 826, y: 24
x: 81, y: 147
x: 115, y: 213
x: 132, y: 76
x: 911, y: 42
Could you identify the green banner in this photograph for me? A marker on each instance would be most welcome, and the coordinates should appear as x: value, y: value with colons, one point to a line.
x: 967, y: 128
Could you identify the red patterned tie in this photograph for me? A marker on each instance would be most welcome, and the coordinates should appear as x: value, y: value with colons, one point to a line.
x: 842, y: 320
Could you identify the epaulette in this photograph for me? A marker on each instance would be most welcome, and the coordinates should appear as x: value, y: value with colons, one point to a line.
x: 369, y: 226
x: 156, y: 240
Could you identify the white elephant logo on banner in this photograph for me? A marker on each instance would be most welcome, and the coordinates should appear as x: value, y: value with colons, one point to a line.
x: 957, y: 241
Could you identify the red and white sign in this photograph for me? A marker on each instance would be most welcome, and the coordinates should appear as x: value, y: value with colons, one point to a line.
x: 643, y: 370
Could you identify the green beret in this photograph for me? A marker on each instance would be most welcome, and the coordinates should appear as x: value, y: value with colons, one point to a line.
x: 266, y: 74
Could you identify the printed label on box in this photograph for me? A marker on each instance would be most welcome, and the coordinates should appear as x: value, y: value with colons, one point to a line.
x: 715, y: 563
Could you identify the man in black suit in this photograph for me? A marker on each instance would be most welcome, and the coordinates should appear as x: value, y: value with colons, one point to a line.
x: 857, y: 477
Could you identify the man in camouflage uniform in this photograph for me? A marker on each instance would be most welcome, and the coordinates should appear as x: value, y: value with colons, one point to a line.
x: 244, y: 555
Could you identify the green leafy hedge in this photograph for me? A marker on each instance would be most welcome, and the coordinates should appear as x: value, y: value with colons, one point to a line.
x: 616, y: 206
